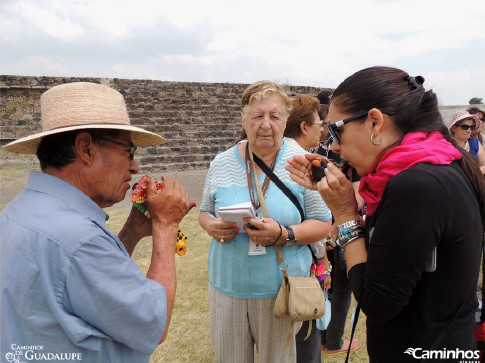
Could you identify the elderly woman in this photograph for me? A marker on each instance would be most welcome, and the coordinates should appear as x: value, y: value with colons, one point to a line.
x: 244, y: 276
x: 413, y: 263
x: 462, y: 127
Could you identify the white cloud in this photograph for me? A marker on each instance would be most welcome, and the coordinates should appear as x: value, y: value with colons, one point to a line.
x: 314, y: 42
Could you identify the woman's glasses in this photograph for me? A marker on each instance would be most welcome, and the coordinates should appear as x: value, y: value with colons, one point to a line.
x: 333, y: 128
x: 466, y: 127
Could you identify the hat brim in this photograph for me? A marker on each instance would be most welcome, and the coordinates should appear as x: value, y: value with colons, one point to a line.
x: 29, y: 144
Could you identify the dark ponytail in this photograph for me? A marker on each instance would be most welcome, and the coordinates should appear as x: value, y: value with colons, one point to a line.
x: 415, y: 109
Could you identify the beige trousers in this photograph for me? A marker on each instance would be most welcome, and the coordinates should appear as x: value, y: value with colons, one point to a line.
x: 238, y: 324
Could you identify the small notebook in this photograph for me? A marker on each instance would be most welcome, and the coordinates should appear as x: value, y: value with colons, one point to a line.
x: 235, y: 214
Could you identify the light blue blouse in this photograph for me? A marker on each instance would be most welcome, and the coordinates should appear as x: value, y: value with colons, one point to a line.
x: 232, y: 270
x: 68, y: 284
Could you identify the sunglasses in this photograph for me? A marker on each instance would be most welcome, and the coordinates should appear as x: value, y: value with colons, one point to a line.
x: 466, y: 127
x: 333, y: 128
x: 131, y: 147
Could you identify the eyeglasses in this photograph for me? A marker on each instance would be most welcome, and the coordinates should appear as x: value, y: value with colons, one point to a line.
x: 332, y: 128
x: 466, y: 127
x: 131, y: 147
x: 318, y: 123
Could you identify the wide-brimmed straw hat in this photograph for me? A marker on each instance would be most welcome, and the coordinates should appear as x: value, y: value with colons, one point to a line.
x: 461, y: 115
x: 82, y: 105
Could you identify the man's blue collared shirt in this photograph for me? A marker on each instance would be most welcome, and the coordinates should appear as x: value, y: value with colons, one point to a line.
x: 68, y: 284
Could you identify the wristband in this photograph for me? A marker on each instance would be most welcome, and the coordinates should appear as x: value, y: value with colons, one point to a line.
x: 291, y: 236
x: 276, y: 240
x: 349, y: 231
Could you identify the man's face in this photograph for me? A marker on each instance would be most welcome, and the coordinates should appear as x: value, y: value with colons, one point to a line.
x: 114, y: 170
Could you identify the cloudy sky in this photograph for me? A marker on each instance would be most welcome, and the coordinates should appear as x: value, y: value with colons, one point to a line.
x: 306, y: 42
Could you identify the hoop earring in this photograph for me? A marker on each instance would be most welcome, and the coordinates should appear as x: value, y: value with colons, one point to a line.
x: 372, y: 140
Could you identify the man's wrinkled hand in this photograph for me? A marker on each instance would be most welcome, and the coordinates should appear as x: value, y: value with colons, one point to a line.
x: 169, y: 204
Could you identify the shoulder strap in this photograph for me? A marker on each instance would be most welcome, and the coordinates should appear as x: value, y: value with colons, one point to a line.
x: 281, y: 259
x: 279, y: 184
x: 354, y: 326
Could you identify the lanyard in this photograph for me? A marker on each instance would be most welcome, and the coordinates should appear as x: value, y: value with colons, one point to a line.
x: 249, y: 169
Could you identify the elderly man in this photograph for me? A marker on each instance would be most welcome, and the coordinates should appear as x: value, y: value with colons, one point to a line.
x: 69, y: 288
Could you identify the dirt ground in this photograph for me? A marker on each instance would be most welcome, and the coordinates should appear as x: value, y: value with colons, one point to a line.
x: 12, y: 181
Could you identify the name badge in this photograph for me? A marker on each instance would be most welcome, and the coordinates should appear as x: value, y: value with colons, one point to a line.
x: 256, y: 248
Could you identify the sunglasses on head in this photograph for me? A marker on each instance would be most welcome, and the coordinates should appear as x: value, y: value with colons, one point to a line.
x: 466, y: 127
x: 332, y: 128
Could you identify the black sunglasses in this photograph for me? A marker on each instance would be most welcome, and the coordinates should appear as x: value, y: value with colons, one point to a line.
x: 131, y: 147
x: 332, y: 128
x: 466, y: 127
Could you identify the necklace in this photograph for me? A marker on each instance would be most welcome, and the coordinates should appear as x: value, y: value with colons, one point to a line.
x: 466, y: 145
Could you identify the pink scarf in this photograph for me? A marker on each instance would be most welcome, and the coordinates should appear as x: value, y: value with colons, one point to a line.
x: 415, y: 148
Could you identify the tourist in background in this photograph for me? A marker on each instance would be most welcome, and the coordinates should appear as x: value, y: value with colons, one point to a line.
x: 304, y: 128
x: 462, y: 125
x: 481, y: 116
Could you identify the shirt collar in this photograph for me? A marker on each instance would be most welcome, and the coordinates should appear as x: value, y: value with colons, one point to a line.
x: 49, y: 184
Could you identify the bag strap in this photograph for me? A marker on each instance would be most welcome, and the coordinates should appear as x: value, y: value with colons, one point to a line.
x: 278, y: 183
x: 354, y: 326
x: 482, y: 314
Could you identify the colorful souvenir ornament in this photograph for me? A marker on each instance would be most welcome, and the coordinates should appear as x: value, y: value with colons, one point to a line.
x: 139, y: 198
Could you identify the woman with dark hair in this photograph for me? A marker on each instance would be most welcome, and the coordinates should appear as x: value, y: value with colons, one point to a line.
x: 413, y: 260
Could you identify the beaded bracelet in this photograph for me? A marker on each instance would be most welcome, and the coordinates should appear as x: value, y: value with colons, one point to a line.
x: 359, y: 235
x: 281, y: 232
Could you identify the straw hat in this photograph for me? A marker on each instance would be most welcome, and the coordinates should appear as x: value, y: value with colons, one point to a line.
x: 461, y: 115
x: 82, y: 105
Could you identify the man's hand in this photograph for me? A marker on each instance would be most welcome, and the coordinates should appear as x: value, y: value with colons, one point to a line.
x: 168, y: 205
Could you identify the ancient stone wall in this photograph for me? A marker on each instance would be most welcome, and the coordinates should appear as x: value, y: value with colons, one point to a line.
x: 199, y: 120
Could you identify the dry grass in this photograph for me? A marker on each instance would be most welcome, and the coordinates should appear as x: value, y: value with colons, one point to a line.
x: 189, y: 335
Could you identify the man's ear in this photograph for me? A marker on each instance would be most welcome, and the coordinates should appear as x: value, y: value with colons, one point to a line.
x: 303, y: 129
x: 84, y: 147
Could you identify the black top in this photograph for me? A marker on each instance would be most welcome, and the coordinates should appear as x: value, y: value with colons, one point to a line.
x: 406, y: 307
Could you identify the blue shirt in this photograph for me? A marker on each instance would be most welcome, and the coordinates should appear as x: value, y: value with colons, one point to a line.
x: 473, y: 142
x: 232, y: 270
x: 68, y: 284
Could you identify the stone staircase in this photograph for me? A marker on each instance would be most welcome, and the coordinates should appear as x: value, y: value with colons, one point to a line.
x: 199, y: 120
